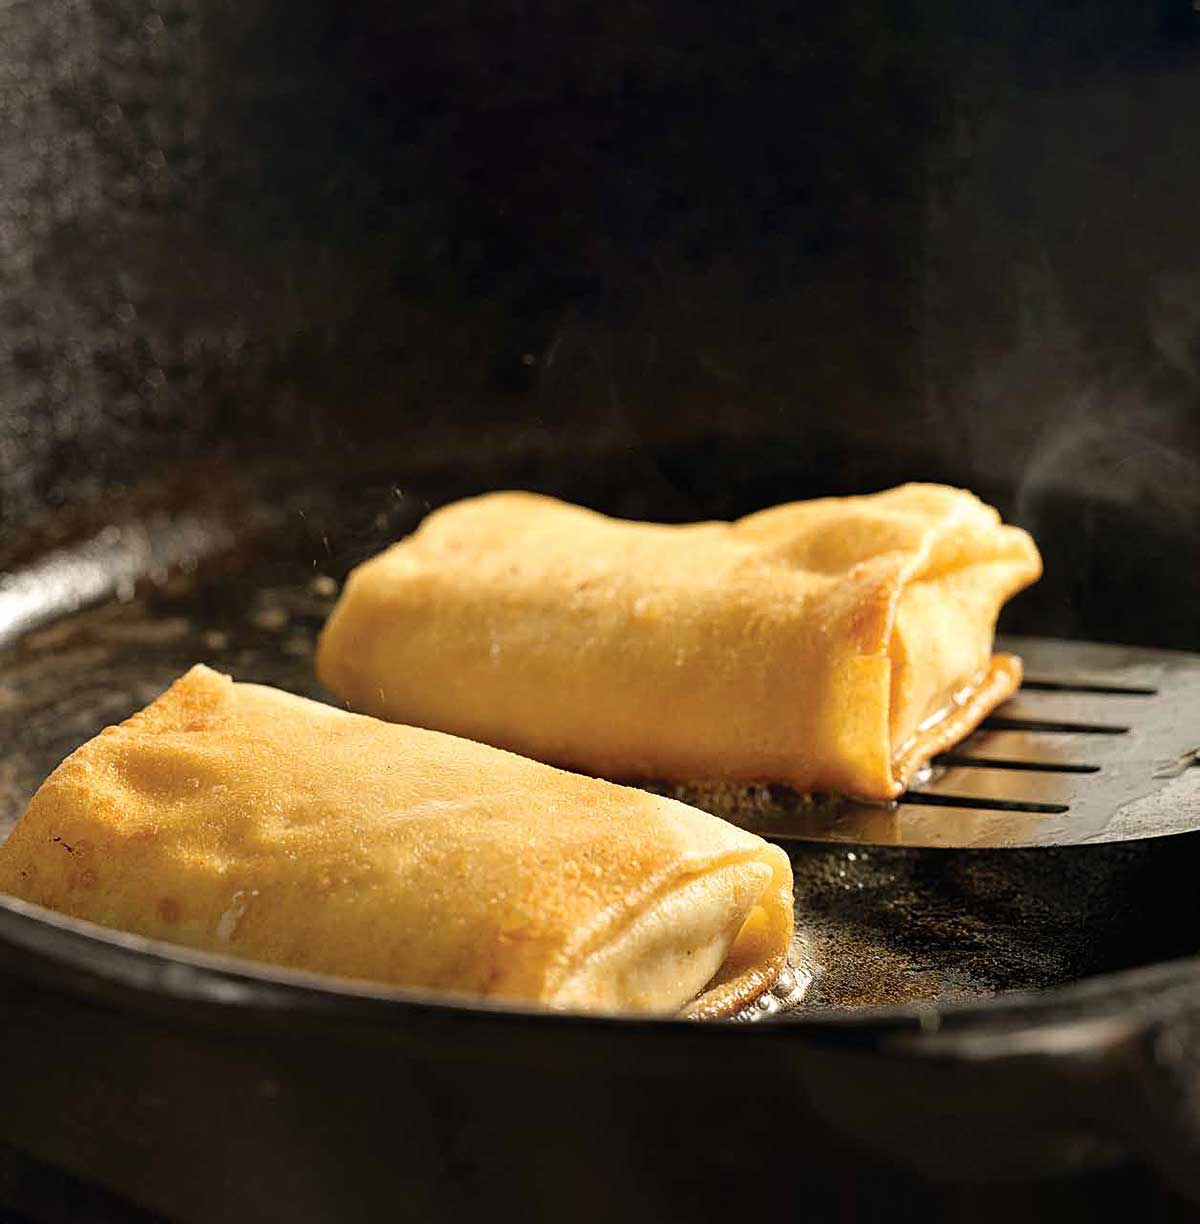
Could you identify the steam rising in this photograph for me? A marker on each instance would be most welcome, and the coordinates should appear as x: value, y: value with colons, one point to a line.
x: 1117, y: 464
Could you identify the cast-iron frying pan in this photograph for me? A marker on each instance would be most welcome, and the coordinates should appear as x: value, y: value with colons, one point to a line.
x: 208, y: 1088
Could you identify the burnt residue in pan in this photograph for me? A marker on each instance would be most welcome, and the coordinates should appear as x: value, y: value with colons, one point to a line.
x: 875, y: 925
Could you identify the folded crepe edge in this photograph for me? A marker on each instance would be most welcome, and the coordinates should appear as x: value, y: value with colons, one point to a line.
x: 759, y: 952
x: 978, y: 695
x: 713, y: 937
x: 946, y: 727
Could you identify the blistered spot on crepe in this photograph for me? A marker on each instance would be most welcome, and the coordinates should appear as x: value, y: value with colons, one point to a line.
x: 86, y: 878
x: 168, y: 909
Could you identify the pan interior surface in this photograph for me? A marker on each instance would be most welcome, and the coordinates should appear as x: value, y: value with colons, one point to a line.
x: 877, y: 925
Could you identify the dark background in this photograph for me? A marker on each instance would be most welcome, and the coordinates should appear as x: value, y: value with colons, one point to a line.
x: 665, y: 257
x: 669, y: 258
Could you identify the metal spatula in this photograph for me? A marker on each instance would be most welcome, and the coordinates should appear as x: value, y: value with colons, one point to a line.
x: 1097, y: 746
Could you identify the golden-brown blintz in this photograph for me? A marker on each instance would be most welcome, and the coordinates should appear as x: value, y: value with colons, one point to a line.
x: 240, y: 819
x: 832, y: 645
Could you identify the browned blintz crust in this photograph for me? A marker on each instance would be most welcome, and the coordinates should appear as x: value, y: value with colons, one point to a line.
x: 830, y: 645
x: 239, y: 819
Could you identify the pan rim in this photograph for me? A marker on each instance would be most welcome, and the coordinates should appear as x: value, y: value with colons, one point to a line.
x: 1075, y: 1015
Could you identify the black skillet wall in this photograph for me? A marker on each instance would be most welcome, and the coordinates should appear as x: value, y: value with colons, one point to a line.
x: 667, y: 257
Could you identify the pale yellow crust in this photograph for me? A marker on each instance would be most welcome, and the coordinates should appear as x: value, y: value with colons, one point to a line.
x: 239, y: 819
x: 807, y: 644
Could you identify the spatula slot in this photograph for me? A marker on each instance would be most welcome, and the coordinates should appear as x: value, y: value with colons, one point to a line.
x: 998, y: 722
x: 989, y: 805
x: 980, y: 762
x: 1083, y: 686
